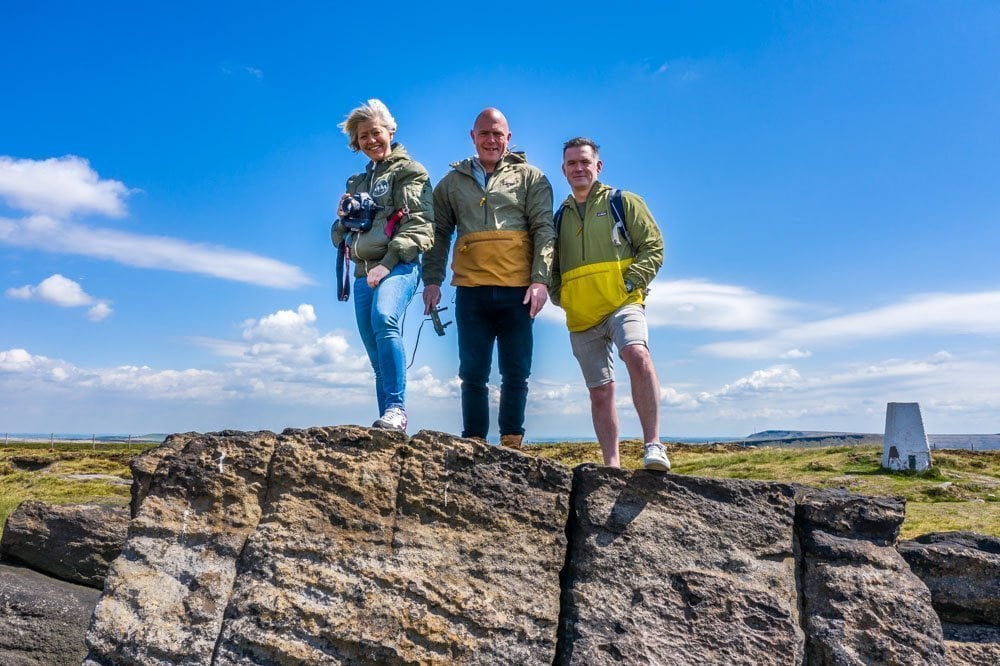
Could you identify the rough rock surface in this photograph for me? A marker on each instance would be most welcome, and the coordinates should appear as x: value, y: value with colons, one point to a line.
x: 339, y: 545
x: 42, y: 620
x: 75, y: 542
x: 667, y: 569
x: 971, y: 644
x: 962, y: 571
x: 861, y: 603
x: 165, y: 596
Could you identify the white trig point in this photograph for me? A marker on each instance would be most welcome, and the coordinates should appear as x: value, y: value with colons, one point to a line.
x: 905, y: 445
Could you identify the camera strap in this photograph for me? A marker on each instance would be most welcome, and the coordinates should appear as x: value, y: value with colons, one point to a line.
x: 393, y: 220
x: 344, y: 270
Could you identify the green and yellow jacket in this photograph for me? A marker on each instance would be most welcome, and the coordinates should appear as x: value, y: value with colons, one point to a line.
x: 590, y: 269
x: 505, y: 231
x: 393, y: 183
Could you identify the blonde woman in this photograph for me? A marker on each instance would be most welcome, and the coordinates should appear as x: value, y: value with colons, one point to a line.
x: 386, y: 220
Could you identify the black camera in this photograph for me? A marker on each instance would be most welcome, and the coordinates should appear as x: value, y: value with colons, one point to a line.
x: 358, y: 211
x: 436, y: 320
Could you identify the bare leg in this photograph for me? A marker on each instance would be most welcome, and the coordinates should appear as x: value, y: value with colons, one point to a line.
x: 605, y: 416
x: 645, y: 390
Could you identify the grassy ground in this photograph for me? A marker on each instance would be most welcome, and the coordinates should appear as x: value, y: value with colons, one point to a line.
x: 961, y: 491
x: 64, y: 473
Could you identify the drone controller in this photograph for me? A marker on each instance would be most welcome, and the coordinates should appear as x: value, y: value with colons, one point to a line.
x: 436, y: 320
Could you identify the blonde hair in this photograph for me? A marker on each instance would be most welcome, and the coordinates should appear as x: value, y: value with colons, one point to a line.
x: 372, y: 110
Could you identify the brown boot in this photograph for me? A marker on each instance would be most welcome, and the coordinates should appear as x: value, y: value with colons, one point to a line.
x: 511, y: 441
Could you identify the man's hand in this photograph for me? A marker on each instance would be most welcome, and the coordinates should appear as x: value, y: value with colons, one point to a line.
x: 536, y: 294
x: 432, y: 296
x: 376, y: 275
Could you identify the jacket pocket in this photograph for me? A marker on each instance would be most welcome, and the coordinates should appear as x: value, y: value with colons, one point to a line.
x: 492, y: 258
x: 591, y: 292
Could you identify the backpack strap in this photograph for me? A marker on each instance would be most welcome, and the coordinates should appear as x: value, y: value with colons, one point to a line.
x: 557, y: 218
x: 618, y: 213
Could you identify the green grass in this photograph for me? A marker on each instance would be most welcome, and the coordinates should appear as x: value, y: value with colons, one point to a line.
x: 960, y: 492
x: 34, y: 470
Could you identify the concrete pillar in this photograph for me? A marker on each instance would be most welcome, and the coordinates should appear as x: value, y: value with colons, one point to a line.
x: 905, y: 446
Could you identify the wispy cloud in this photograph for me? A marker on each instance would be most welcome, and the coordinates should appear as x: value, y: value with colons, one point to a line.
x: 59, y: 186
x: 61, y: 291
x: 968, y: 313
x: 158, y: 252
x: 53, y: 190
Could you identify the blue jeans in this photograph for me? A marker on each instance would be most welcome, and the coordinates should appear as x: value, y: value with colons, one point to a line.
x: 485, y: 315
x: 379, y: 312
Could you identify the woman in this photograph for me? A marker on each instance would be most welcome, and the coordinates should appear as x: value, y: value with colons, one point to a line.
x: 384, y: 241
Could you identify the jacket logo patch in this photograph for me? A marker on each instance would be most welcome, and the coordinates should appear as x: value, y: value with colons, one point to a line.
x: 381, y: 187
x: 510, y: 183
x: 603, y: 213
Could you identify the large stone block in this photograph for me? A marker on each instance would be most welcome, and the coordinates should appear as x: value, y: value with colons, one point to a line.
x: 667, y: 569
x: 42, y: 620
x: 962, y: 571
x: 861, y: 604
x: 377, y: 549
x: 165, y: 596
x: 75, y: 542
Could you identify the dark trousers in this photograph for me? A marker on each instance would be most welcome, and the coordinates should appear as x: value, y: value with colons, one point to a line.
x: 485, y: 315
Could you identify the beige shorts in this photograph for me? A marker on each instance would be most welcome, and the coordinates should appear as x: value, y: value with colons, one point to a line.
x: 592, y: 348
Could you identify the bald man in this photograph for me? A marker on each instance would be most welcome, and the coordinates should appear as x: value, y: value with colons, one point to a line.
x: 501, y: 207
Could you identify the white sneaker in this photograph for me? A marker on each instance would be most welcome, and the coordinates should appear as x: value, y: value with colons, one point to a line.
x: 656, y: 458
x: 393, y: 419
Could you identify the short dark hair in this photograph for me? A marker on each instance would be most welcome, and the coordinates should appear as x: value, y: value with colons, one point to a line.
x: 581, y: 141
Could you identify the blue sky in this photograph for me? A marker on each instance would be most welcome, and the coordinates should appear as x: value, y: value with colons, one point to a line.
x: 826, y: 176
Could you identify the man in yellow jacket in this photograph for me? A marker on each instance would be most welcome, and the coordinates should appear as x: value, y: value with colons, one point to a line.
x: 608, y: 249
x: 501, y: 208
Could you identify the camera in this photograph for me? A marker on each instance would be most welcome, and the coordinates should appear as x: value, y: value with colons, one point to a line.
x: 358, y: 211
x: 436, y: 320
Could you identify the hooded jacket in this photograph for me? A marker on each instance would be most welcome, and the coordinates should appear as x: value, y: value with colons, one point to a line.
x: 397, y: 181
x: 505, y: 231
x: 589, y: 273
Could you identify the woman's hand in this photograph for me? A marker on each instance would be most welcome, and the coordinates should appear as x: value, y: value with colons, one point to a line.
x: 376, y: 275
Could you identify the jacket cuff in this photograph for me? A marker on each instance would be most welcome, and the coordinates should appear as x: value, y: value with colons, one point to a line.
x: 390, y: 259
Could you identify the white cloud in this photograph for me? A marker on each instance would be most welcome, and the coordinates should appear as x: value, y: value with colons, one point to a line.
x: 61, y: 291
x: 158, y: 252
x: 776, y: 378
x: 283, y: 326
x: 970, y: 313
x: 700, y: 304
x: 59, y: 186
x: 99, y: 312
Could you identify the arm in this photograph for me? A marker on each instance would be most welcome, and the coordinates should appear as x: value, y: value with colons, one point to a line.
x: 436, y: 258
x: 647, y: 241
x: 415, y: 233
x: 538, y: 210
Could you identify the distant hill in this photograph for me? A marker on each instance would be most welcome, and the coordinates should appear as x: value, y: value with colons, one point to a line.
x: 810, y: 438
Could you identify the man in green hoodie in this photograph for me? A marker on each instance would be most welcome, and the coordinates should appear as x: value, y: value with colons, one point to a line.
x: 608, y: 250
x: 501, y: 208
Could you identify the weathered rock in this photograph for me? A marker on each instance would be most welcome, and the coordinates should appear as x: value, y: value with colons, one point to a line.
x: 75, y: 542
x: 42, y: 620
x: 359, y: 547
x: 679, y: 570
x: 144, y: 465
x: 971, y: 644
x: 165, y: 596
x: 962, y: 571
x: 861, y: 603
